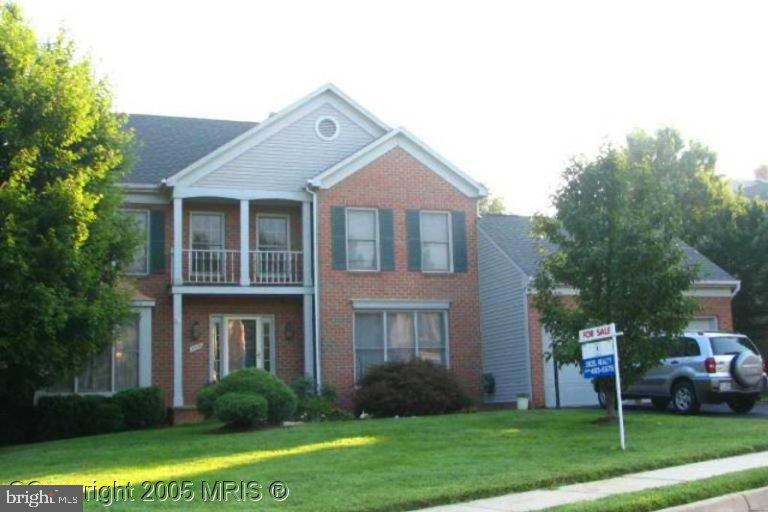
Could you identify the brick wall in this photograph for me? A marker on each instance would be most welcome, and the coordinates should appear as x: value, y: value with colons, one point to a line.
x: 719, y: 307
x: 397, y: 181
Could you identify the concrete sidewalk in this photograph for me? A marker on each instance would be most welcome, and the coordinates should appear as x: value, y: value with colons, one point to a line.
x: 541, y: 499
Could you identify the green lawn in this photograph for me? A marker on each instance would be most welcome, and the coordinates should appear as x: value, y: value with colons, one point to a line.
x: 657, y: 499
x: 392, y: 464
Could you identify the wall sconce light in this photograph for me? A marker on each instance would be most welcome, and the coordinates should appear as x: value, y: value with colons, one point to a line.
x: 288, y: 330
x: 195, y: 331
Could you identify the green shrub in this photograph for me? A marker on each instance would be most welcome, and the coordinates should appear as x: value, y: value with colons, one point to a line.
x: 60, y: 417
x: 56, y: 417
x: 206, y: 398
x: 142, y: 407
x: 281, y: 399
x: 414, y: 388
x: 303, y: 387
x: 241, y: 409
x: 96, y: 414
x: 320, y: 408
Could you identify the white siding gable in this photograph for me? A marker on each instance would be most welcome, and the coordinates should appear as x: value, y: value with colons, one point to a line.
x: 287, y: 159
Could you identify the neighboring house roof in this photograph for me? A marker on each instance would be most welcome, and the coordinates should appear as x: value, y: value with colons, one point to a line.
x: 512, y: 234
x: 758, y: 189
x: 168, y: 144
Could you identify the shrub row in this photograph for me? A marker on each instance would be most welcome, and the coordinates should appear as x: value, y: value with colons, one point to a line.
x: 63, y: 416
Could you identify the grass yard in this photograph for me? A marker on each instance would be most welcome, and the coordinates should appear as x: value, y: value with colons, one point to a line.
x: 392, y: 464
x: 657, y: 499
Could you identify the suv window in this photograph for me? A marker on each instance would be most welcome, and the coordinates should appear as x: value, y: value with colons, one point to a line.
x: 731, y: 345
x: 684, y: 347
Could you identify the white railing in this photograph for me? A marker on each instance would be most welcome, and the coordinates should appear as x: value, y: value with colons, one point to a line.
x: 211, y: 266
x: 276, y: 267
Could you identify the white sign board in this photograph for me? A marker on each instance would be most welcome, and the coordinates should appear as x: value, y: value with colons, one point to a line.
x: 600, y: 359
x: 600, y: 332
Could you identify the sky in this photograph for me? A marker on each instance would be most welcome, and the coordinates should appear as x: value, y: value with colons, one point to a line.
x: 507, y: 91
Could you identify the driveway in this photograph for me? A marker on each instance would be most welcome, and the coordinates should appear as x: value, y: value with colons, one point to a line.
x: 760, y: 410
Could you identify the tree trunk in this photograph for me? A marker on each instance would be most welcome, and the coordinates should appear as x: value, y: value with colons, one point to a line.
x: 608, y: 387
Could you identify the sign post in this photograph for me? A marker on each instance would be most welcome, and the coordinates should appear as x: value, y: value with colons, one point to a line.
x: 600, y: 358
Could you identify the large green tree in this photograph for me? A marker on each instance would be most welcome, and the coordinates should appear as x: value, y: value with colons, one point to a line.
x: 727, y: 227
x: 617, y: 239
x: 63, y: 243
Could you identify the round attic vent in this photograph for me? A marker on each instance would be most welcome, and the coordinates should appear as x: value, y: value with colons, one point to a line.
x: 327, y: 128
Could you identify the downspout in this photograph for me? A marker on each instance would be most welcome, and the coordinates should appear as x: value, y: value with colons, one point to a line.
x: 316, y: 291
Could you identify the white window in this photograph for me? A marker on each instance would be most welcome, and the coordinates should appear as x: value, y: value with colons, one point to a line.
x: 114, y: 369
x: 140, y: 263
x: 272, y: 232
x: 399, y: 336
x: 124, y: 364
x: 436, y: 242
x: 362, y: 239
x: 206, y: 237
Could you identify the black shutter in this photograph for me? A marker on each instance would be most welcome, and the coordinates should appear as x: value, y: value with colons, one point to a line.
x: 157, y: 241
x: 387, y: 239
x: 413, y: 225
x: 339, y: 237
x: 459, y: 225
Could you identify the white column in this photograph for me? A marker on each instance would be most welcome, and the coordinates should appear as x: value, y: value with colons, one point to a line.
x: 178, y: 352
x: 245, y: 278
x: 306, y: 242
x: 178, y: 222
x: 309, y: 337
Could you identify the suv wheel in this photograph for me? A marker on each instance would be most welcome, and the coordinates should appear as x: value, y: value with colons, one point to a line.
x: 741, y: 405
x: 684, y: 398
x: 660, y: 404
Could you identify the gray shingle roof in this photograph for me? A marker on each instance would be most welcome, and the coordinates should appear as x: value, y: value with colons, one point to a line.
x: 756, y: 190
x: 167, y: 145
x: 512, y: 233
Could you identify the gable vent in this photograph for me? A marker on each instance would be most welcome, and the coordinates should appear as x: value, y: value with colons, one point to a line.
x: 327, y: 128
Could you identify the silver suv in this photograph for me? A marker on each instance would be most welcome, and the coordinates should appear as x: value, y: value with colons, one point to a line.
x: 704, y: 367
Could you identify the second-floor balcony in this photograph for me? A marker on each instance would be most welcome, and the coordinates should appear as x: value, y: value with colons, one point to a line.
x: 238, y: 245
x: 222, y: 266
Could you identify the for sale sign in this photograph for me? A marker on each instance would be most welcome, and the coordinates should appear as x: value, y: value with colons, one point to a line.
x: 598, y: 359
x: 600, y: 332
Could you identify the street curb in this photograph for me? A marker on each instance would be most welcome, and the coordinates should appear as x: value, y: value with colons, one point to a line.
x: 746, y: 501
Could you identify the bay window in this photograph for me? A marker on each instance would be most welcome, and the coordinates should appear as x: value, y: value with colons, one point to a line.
x: 383, y: 336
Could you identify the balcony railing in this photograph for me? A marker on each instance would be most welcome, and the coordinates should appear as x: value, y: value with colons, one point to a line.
x: 276, y: 267
x: 222, y: 266
x: 211, y: 266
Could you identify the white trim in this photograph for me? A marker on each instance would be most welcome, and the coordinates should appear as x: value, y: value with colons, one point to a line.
x: 306, y: 243
x: 706, y: 317
x: 145, y: 346
x: 178, y: 352
x: 395, y: 304
x: 335, y: 123
x: 178, y: 230
x: 449, y: 226
x: 148, y: 240
x: 405, y: 140
x: 143, y: 303
x: 240, y: 290
x: 245, y: 238
x: 376, y: 242
x: 708, y: 292
x: 328, y: 94
x: 238, y: 194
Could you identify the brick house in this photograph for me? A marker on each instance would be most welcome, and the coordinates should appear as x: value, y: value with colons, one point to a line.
x: 315, y: 243
x: 515, y: 342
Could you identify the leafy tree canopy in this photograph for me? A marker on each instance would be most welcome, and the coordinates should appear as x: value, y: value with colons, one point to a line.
x: 617, y: 235
x: 492, y: 204
x: 63, y: 243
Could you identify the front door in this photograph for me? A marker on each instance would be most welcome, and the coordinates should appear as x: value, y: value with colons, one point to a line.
x: 242, y: 342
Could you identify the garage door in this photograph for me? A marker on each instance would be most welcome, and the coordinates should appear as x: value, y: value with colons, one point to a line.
x: 574, y: 390
x: 705, y: 323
